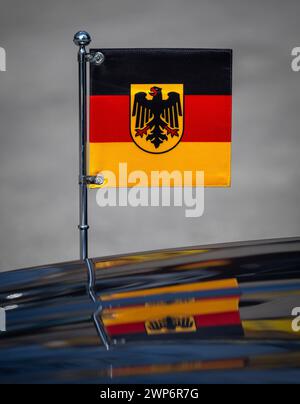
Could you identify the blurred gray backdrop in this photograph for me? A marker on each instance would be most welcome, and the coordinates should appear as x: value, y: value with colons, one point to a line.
x: 39, y: 138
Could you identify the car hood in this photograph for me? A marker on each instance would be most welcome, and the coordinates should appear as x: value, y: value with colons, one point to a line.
x: 212, y: 314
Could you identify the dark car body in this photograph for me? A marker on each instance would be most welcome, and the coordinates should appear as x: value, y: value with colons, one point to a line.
x: 210, y: 314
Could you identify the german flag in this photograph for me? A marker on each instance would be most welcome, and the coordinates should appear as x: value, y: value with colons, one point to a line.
x: 162, y: 110
x: 175, y: 310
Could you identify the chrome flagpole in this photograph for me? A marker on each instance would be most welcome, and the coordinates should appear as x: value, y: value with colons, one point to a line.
x: 83, y: 39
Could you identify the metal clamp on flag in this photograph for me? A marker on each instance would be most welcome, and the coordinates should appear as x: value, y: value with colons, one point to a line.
x: 95, y: 180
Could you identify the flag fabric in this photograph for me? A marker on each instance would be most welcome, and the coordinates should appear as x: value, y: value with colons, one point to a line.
x: 162, y: 110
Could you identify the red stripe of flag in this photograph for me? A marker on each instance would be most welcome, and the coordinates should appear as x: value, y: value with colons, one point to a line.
x: 219, y: 319
x: 130, y: 328
x: 207, y: 118
x: 202, y: 321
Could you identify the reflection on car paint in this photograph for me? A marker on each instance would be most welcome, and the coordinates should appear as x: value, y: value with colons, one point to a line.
x: 208, y: 316
x: 51, y: 336
x: 146, y: 257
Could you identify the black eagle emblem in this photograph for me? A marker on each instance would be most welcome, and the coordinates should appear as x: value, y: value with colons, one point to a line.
x: 172, y: 324
x: 157, y: 118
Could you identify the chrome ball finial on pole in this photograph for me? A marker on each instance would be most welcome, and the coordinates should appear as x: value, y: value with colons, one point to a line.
x: 82, y: 39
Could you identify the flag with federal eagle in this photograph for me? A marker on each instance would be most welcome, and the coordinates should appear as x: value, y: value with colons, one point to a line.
x: 162, y: 109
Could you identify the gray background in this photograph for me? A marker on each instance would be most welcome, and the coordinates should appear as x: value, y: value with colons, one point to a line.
x: 38, y: 118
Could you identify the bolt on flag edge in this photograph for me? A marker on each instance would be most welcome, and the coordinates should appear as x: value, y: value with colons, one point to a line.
x: 161, y: 110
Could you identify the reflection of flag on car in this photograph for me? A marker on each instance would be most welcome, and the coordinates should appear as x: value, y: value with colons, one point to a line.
x: 197, y: 310
x: 162, y: 110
